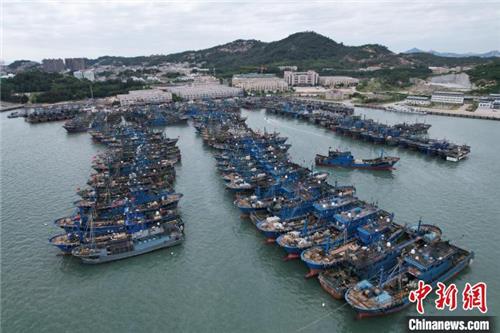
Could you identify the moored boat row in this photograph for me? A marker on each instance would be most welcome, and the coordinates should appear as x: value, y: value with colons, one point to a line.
x: 130, y: 206
x: 359, y: 252
x: 341, y: 120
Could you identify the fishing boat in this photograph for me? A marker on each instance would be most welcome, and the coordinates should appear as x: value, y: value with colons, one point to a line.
x: 344, y: 159
x: 144, y: 241
x: 437, y: 262
x: 253, y: 203
x: 273, y: 226
x: 349, y: 224
x: 337, y: 280
x: 331, y: 205
x: 295, y: 242
x: 77, y: 124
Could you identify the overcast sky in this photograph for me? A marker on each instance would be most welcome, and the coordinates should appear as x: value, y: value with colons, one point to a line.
x: 47, y: 29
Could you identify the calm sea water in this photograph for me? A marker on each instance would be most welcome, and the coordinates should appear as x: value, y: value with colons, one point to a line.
x: 224, y: 278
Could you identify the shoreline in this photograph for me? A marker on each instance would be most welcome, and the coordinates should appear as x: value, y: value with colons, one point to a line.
x: 490, y: 115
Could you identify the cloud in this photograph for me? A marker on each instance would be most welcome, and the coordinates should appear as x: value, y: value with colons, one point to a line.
x: 42, y: 29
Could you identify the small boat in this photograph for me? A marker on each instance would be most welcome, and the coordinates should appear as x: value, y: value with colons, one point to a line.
x: 405, y: 109
x: 457, y: 153
x: 345, y: 159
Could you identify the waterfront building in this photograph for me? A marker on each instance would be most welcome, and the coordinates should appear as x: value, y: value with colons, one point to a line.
x: 75, y: 64
x: 89, y: 75
x: 259, y: 82
x: 418, y: 100
x: 309, y: 78
x: 485, y: 103
x: 335, y: 94
x: 338, y: 81
x: 147, y: 96
x: 492, y: 101
x: 198, y: 91
x: 447, y: 97
x: 495, y: 104
x: 53, y: 65
x: 310, y: 91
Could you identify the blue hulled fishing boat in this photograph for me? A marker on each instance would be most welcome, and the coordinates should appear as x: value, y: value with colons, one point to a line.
x: 344, y: 159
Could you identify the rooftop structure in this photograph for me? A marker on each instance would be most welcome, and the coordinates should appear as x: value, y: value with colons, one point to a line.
x: 201, y: 91
x: 309, y: 78
x: 338, y: 81
x: 259, y: 82
x: 148, y: 96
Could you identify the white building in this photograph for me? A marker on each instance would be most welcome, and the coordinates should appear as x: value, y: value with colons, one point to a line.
x: 418, y: 100
x: 490, y: 102
x: 147, y: 96
x: 337, y: 81
x: 485, y: 103
x: 309, y: 78
x: 287, y: 68
x: 446, y: 97
x: 89, y: 75
x: 259, y: 82
x: 205, y: 79
x: 201, y: 91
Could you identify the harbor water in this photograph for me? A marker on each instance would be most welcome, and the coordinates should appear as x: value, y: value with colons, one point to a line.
x: 223, y: 278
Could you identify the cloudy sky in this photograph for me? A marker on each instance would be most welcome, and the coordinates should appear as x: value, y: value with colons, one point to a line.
x: 46, y: 29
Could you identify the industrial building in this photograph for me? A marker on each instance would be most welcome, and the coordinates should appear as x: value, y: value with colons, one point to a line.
x: 148, y: 96
x: 201, y: 91
x: 53, y: 65
x: 259, y: 82
x: 309, y: 78
x: 445, y: 97
x: 338, y: 81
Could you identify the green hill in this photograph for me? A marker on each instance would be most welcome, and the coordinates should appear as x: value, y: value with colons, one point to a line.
x: 308, y: 50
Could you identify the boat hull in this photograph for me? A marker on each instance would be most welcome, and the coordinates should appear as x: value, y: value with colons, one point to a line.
x: 163, y: 243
